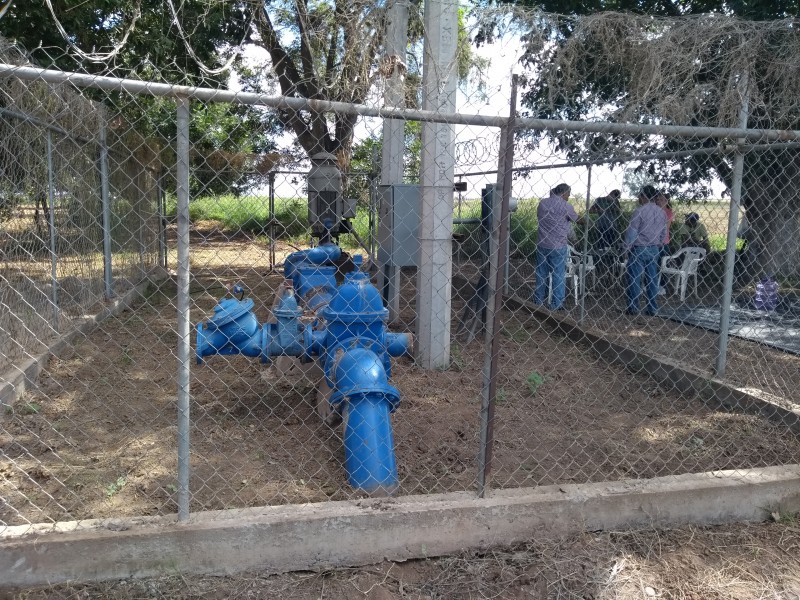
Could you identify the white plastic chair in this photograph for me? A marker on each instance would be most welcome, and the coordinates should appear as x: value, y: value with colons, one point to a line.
x: 573, y: 274
x: 686, y: 260
x: 621, y: 265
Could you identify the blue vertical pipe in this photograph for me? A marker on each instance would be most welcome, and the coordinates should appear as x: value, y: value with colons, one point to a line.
x: 361, y: 384
x: 369, y: 443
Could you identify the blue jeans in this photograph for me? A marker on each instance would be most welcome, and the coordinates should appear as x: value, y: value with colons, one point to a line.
x: 643, y: 259
x: 551, y: 262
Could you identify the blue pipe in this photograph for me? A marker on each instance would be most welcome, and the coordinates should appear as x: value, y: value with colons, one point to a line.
x: 234, y: 329
x: 352, y: 343
x: 287, y: 336
x: 398, y: 344
x: 319, y: 255
x: 362, y: 386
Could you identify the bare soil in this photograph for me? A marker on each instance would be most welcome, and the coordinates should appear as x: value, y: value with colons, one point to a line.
x: 736, y: 562
x: 749, y: 364
x: 98, y: 436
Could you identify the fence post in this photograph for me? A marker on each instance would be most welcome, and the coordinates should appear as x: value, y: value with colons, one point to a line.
x: 733, y: 223
x: 271, y: 220
x: 162, y: 220
x: 52, y: 223
x: 372, y: 216
x: 494, y: 303
x: 585, y: 249
x: 184, y: 326
x: 108, y: 275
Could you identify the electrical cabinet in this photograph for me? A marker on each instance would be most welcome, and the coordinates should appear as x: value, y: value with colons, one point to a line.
x: 398, y: 225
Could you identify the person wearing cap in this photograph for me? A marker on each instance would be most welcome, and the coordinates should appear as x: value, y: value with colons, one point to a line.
x: 556, y: 217
x: 692, y: 233
x: 643, y: 242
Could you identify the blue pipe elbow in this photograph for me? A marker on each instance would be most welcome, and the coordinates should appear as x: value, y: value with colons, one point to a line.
x: 360, y: 371
x: 361, y: 383
x: 323, y: 253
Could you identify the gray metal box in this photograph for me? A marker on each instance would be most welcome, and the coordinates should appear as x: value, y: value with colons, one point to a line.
x: 398, y: 227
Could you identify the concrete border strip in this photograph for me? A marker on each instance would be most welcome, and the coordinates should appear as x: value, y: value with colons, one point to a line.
x: 672, y: 375
x: 277, y: 539
x: 15, y: 381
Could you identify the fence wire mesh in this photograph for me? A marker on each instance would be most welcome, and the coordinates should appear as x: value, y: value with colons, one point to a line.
x: 92, y: 249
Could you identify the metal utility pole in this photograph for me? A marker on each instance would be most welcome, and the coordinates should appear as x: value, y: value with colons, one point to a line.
x: 394, y: 130
x: 733, y: 223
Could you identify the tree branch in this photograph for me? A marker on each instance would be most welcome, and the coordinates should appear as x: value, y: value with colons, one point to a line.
x: 309, y: 76
x: 288, y: 78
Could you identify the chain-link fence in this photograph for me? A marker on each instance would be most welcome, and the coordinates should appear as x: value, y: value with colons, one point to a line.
x: 535, y: 362
x: 80, y: 211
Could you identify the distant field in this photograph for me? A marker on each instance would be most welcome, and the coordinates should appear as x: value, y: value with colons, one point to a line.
x: 251, y: 214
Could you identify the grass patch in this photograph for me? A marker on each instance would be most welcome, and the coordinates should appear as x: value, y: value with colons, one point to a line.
x: 719, y: 242
x: 250, y: 214
x: 115, y: 487
x: 534, y: 381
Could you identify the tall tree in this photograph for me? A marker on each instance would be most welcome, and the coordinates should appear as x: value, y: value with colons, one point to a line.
x: 140, y: 39
x: 331, y: 50
x: 683, y: 62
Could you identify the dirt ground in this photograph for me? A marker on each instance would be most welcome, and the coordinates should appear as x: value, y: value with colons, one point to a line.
x: 98, y: 436
x: 736, y: 562
x: 749, y: 364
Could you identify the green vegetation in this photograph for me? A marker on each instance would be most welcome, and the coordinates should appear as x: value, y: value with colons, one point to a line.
x: 116, y: 486
x: 250, y: 214
x: 29, y: 408
x: 534, y: 381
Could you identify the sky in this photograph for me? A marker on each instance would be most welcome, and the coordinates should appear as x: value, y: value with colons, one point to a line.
x: 504, y: 62
x: 477, y: 148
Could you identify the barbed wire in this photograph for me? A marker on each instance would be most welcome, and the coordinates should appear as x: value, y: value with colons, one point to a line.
x: 93, y: 56
x: 237, y: 49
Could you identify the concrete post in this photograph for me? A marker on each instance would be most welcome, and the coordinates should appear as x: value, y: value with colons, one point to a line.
x: 434, y: 276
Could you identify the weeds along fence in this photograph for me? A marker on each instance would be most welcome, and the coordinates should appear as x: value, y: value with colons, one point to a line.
x: 125, y: 423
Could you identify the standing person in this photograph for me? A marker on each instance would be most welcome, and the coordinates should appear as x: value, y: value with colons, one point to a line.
x: 663, y: 201
x: 607, y: 227
x: 607, y: 224
x: 644, y: 240
x: 556, y: 217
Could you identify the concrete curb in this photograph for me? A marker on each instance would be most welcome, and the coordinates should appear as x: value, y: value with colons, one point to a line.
x: 19, y: 378
x: 278, y: 539
x: 671, y: 375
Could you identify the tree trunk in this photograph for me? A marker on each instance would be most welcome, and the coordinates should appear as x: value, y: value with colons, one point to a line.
x: 771, y: 198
